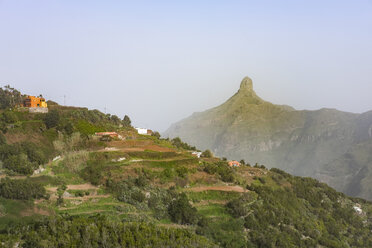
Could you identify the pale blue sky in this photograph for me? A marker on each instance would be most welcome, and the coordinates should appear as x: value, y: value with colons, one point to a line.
x: 160, y: 61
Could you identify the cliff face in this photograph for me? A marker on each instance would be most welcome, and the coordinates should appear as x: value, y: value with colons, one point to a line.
x: 327, y: 144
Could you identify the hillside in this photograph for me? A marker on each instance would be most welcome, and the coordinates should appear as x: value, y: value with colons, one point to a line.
x: 320, y: 144
x: 62, y: 186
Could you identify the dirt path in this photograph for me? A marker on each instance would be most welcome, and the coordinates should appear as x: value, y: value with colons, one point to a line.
x: 84, y: 186
x: 218, y: 188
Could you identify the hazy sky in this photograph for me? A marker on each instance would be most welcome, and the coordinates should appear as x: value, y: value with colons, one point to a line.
x: 160, y: 61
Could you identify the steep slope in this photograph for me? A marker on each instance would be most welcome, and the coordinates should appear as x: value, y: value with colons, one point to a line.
x: 304, y: 143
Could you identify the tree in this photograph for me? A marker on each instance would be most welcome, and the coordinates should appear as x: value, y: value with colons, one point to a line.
x: 126, y: 121
x: 242, y: 162
x: 207, y: 154
x: 181, y: 211
x: 52, y: 119
x: 156, y: 134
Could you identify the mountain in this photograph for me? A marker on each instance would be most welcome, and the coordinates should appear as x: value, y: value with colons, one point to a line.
x: 327, y: 144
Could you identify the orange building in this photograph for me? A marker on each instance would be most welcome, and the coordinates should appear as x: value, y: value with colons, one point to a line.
x: 234, y: 164
x: 34, y: 102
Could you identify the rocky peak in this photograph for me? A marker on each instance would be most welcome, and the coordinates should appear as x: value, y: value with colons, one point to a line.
x: 247, y: 93
x: 246, y: 85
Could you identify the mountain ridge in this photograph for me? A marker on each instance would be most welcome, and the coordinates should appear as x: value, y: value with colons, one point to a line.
x: 303, y: 142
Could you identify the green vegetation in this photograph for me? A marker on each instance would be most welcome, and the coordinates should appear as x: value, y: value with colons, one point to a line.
x: 21, y: 189
x: 143, y: 191
x: 126, y: 121
x: 98, y: 231
x: 221, y: 168
x: 177, y: 142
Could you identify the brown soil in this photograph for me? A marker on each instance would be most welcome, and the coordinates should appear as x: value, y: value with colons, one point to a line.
x: 35, y: 210
x: 202, y: 177
x: 85, y: 186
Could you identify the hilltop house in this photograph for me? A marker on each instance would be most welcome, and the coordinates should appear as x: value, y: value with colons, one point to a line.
x: 35, y: 104
x: 143, y: 131
x: 234, y: 163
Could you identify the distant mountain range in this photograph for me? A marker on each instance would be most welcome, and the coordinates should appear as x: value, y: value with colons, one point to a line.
x: 330, y: 145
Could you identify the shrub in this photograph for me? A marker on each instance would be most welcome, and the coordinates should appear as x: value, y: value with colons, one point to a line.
x: 156, y: 134
x: 9, y: 117
x: 21, y: 189
x: 207, y: 154
x: 93, y: 173
x: 181, y: 211
x: 52, y: 119
x: 138, y: 196
x: 141, y: 181
x: 20, y: 164
x: 177, y: 142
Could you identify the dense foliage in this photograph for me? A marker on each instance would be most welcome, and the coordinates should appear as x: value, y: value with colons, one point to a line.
x: 21, y: 189
x: 305, y: 215
x: 222, y: 169
x: 181, y: 211
x: 9, y: 97
x: 98, y: 231
x: 22, y: 158
x: 177, y: 142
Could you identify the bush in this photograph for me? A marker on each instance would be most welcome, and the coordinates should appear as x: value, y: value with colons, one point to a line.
x: 222, y: 169
x: 207, y: 154
x: 21, y: 189
x: 138, y: 196
x: 181, y: 211
x: 20, y: 164
x: 9, y: 117
x: 93, y: 173
x: 51, y: 119
x: 177, y: 142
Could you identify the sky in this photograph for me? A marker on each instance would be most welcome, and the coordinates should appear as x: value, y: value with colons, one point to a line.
x: 160, y: 61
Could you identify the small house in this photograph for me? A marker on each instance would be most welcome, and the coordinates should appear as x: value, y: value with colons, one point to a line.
x: 35, y: 102
x: 234, y: 163
x: 143, y: 131
x: 196, y: 154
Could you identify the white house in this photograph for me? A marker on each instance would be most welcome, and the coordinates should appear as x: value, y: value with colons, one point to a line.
x: 358, y: 209
x: 197, y: 154
x: 143, y: 131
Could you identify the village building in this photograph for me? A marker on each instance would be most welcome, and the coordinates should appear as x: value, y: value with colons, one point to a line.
x: 35, y: 104
x: 196, y: 154
x: 143, y: 131
x: 234, y: 163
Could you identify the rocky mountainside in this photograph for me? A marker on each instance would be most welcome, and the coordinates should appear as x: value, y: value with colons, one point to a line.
x: 330, y: 145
